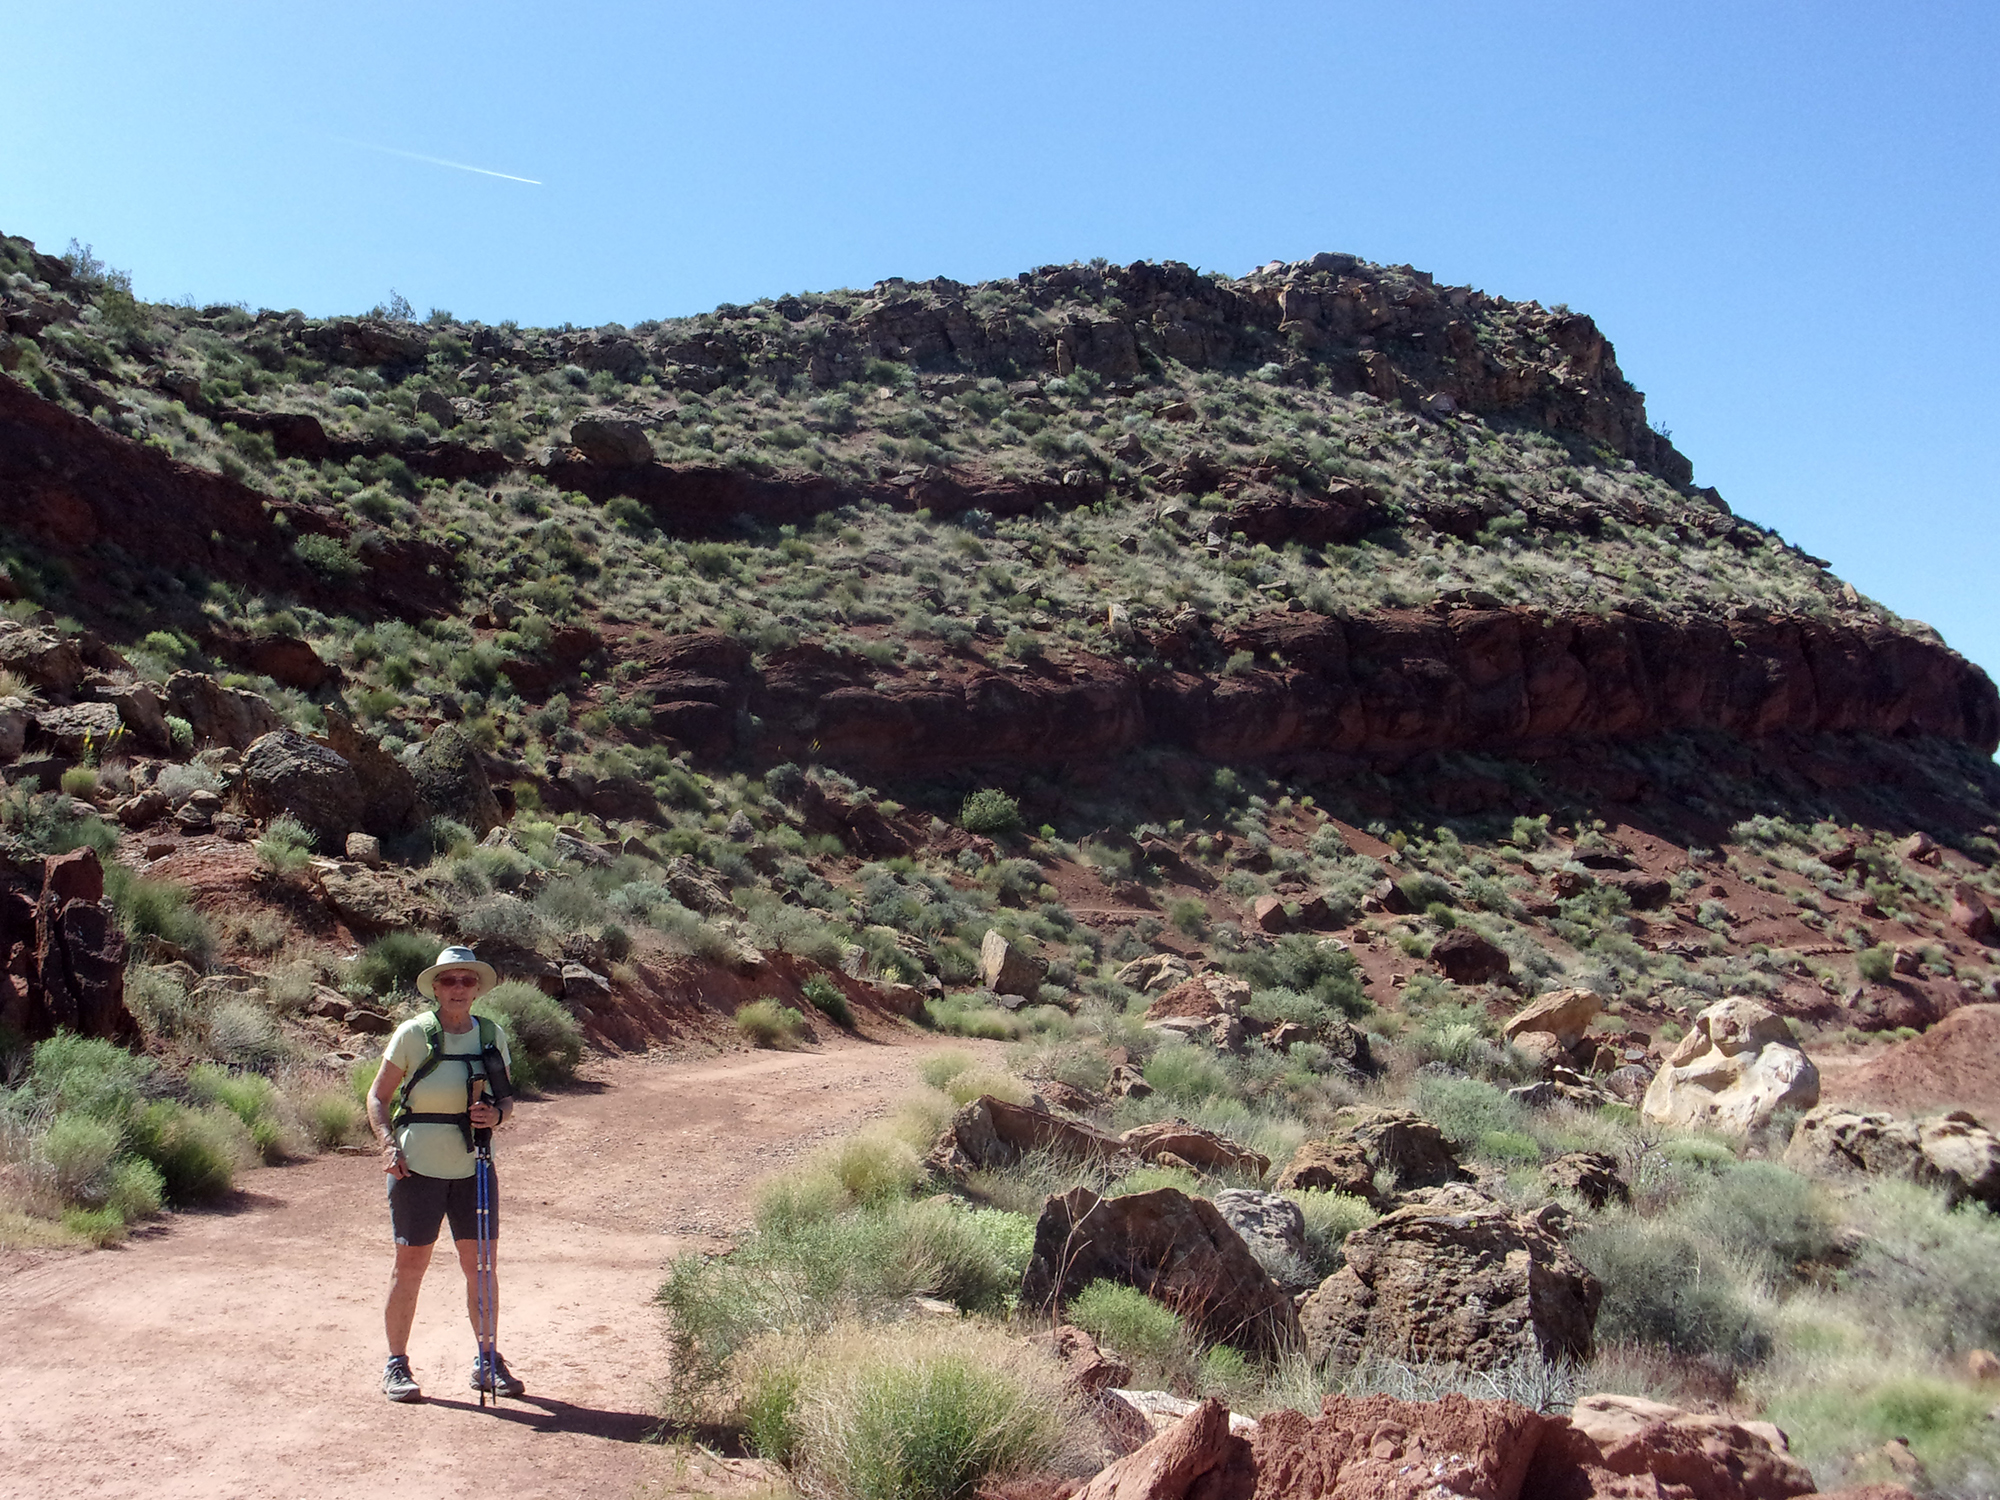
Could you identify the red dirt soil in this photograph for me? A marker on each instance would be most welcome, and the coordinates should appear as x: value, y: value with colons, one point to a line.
x: 1954, y: 1065
x: 236, y: 1352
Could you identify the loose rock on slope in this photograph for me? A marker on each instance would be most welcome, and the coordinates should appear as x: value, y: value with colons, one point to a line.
x: 1733, y: 1071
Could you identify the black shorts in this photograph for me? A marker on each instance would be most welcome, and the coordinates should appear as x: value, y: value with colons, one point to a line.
x: 419, y: 1204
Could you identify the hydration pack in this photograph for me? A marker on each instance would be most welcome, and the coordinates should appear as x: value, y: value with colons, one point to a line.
x: 487, y: 1064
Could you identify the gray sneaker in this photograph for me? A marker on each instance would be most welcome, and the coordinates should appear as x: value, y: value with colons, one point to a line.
x: 398, y: 1384
x: 496, y: 1378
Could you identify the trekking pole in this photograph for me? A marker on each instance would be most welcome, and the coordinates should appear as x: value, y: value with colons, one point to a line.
x: 482, y: 1217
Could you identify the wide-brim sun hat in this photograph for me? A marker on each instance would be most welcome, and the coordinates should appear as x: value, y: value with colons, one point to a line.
x: 456, y: 958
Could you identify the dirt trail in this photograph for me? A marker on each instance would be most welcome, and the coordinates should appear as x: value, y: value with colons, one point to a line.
x: 237, y: 1352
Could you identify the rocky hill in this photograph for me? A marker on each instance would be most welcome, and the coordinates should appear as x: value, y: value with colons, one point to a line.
x: 1291, y: 694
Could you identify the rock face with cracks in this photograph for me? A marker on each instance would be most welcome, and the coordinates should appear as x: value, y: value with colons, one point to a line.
x: 1735, y: 1069
x: 1178, y: 1250
x: 1459, y: 1279
x: 1952, y: 1152
x: 989, y: 1132
x: 1365, y: 1142
x: 1198, y: 1147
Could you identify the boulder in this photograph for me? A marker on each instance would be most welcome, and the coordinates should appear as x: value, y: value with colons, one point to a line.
x: 1952, y: 1152
x: 584, y: 988
x: 78, y: 956
x: 1464, y: 957
x: 450, y: 778
x: 1563, y: 1014
x: 366, y: 902
x: 75, y: 876
x: 694, y: 889
x: 284, y: 772
x: 15, y: 722
x: 79, y: 729
x: 1204, y: 1148
x: 41, y: 658
x: 1380, y: 1448
x: 364, y: 849
x: 1970, y: 913
x: 1201, y: 998
x: 612, y: 442
x: 1198, y: 1454
x: 990, y: 1132
x: 1006, y: 970
x: 1176, y: 1249
x: 1274, y: 1229
x: 1591, y: 1175
x: 140, y: 710
x: 1157, y: 971
x: 388, y: 791
x: 1366, y: 1142
x: 1735, y: 1069
x: 220, y: 715
x: 1127, y: 1082
x: 1544, y: 1050
x: 1645, y: 892
x: 1459, y: 1280
x: 1610, y: 1441
x: 1267, y: 914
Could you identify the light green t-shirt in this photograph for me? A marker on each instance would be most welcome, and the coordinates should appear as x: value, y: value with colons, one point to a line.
x: 438, y: 1150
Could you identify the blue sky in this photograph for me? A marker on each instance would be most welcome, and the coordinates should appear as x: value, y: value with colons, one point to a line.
x: 1783, y: 215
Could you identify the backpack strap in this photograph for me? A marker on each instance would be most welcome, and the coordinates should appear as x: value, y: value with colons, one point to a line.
x: 482, y: 1063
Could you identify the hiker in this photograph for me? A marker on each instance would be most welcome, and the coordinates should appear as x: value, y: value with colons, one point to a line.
x: 427, y: 1131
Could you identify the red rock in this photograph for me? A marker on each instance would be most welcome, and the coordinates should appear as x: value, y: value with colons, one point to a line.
x: 1970, y: 914
x: 1467, y: 958
x: 1172, y: 1465
x: 1610, y: 1440
x: 1268, y: 914
x: 75, y: 876
x: 1379, y: 1448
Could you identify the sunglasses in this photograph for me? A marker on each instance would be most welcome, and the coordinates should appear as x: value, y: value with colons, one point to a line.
x: 455, y: 982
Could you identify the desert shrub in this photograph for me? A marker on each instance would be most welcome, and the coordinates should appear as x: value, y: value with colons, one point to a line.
x: 244, y: 1033
x: 1926, y: 1271
x: 286, y: 845
x: 390, y: 965
x: 88, y: 1076
x: 1876, y: 964
x: 909, y: 1413
x: 829, y: 999
x: 1466, y: 1109
x: 1188, y: 915
x: 162, y: 1005
x: 1306, y: 965
x: 1761, y: 1210
x: 198, y: 1152
x: 78, y: 1152
x: 136, y: 1190
x: 766, y: 1023
x: 79, y: 781
x: 989, y: 811
x: 902, y: 1415
x: 332, y: 1117
x: 960, y: 1015
x: 502, y: 918
x: 1129, y: 1321
x: 251, y: 1098
x: 1664, y: 1287
x: 1330, y: 1219
x: 95, y: 1226
x: 940, y: 1068
x: 1946, y: 1423
x: 963, y: 1088
x: 544, y: 1041
x: 157, y: 908
x: 1187, y: 1073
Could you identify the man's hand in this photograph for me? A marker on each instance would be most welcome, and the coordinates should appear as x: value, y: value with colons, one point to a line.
x: 485, y: 1114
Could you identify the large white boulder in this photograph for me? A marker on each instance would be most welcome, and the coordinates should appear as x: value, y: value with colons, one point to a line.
x: 1736, y: 1069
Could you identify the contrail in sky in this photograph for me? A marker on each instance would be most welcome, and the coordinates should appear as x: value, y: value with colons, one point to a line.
x: 437, y: 161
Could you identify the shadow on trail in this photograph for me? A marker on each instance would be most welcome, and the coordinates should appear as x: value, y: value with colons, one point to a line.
x: 546, y: 1415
